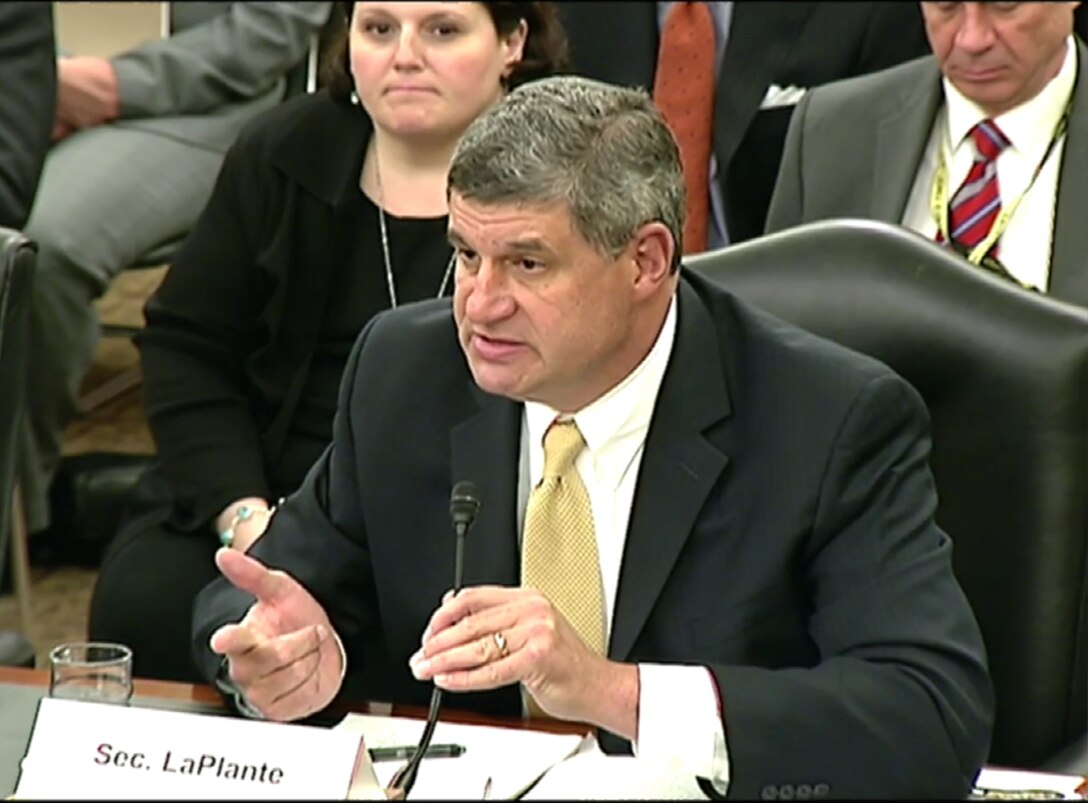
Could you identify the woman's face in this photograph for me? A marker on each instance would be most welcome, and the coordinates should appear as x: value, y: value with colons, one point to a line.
x: 426, y: 70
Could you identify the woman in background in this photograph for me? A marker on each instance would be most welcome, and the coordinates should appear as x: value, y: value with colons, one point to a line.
x: 328, y: 210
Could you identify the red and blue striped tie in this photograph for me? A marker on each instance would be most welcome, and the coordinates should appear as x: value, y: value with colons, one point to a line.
x: 977, y: 203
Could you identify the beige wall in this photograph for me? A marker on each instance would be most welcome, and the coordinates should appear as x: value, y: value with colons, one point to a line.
x: 103, y: 29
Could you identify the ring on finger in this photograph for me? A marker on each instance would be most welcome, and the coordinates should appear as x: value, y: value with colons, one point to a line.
x: 500, y: 643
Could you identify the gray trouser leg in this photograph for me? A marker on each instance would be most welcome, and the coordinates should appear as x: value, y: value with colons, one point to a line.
x: 107, y: 196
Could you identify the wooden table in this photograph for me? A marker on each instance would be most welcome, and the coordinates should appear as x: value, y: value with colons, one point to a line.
x: 20, y: 689
x: 200, y: 696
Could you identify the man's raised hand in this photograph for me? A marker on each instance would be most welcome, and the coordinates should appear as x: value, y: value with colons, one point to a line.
x: 283, y: 655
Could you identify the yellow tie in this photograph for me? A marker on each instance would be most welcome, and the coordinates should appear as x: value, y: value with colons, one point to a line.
x: 559, y: 545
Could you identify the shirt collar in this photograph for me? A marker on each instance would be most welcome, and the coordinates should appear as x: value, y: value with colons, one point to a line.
x: 615, y: 425
x: 1028, y: 126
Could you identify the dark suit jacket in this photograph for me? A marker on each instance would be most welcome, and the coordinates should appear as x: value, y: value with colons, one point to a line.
x: 788, y: 44
x: 781, y: 534
x: 854, y: 150
x: 28, y: 75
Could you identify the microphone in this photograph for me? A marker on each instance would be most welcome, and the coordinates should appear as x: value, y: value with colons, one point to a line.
x: 464, y: 507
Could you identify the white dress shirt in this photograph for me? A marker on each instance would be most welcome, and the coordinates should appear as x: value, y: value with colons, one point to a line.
x: 1025, y: 246
x: 678, y: 720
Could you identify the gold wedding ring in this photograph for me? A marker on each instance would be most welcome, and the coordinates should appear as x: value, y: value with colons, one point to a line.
x: 500, y: 642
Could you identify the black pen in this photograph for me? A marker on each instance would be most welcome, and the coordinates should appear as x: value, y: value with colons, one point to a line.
x: 405, y: 751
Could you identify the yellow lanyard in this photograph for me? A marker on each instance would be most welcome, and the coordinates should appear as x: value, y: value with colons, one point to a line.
x: 938, y: 196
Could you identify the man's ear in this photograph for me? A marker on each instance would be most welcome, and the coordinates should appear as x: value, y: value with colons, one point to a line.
x: 652, y: 250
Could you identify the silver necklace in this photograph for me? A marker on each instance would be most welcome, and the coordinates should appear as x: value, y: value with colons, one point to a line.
x: 385, y: 244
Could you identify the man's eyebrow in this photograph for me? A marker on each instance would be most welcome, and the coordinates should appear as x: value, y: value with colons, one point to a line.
x: 531, y: 245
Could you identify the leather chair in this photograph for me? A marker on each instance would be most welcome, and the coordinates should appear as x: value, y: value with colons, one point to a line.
x: 1004, y: 373
x: 17, y: 255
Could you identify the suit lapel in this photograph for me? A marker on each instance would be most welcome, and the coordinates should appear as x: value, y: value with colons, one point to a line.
x: 1069, y: 260
x: 901, y: 139
x: 484, y: 448
x: 761, y: 35
x: 679, y: 467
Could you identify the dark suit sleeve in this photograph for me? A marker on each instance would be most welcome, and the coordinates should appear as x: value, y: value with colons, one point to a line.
x: 28, y: 75
x: 900, y: 704
x: 787, y: 200
x: 203, y: 325
x: 318, y: 532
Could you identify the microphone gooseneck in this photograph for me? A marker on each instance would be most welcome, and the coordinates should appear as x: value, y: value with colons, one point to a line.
x: 464, y: 507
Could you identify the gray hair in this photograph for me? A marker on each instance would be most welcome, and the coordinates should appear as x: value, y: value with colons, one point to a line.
x: 603, y: 150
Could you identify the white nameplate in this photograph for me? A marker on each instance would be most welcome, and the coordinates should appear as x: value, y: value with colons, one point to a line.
x: 93, y: 750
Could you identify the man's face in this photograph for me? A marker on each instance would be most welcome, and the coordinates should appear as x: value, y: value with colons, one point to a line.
x: 999, y: 55
x: 541, y: 314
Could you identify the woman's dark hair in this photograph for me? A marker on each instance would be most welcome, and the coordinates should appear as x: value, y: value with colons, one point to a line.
x: 545, y: 51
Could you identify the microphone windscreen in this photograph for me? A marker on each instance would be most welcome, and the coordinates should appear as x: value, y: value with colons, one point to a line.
x: 464, y: 503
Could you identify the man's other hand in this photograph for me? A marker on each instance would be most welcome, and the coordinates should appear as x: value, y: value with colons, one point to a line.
x: 489, y: 636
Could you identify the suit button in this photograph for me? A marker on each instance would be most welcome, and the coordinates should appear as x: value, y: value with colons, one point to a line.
x: 768, y: 793
x: 821, y: 790
x: 785, y: 791
x: 804, y: 791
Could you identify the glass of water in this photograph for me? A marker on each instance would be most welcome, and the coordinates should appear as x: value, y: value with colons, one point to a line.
x: 96, y: 671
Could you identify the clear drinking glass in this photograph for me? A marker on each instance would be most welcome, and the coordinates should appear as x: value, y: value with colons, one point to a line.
x: 96, y: 671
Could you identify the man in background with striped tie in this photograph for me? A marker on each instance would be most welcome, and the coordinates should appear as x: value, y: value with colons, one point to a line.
x: 982, y: 146
x: 702, y: 531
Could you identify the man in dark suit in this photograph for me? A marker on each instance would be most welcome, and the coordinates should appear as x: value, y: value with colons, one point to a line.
x: 769, y: 55
x: 888, y: 146
x: 778, y: 609
x: 28, y: 75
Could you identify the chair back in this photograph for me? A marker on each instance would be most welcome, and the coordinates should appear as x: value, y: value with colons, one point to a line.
x: 1004, y: 373
x: 17, y: 255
